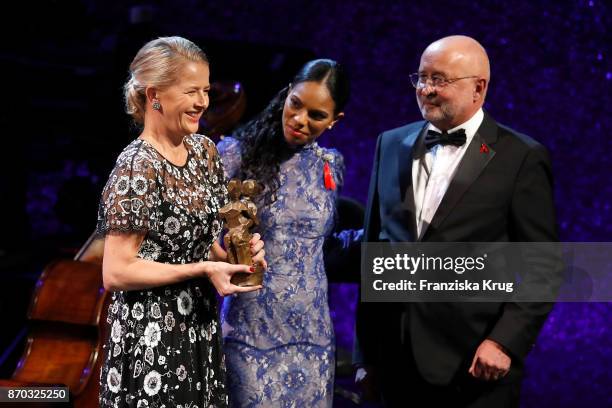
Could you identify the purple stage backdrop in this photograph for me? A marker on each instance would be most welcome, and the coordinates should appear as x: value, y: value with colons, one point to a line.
x: 551, y: 79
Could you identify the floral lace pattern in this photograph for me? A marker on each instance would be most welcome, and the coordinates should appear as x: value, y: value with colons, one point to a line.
x: 164, y: 348
x: 279, y: 341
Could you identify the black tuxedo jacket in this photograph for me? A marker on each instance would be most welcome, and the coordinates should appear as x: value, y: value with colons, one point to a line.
x: 501, y: 192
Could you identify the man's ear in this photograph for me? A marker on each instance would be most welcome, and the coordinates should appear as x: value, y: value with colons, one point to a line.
x: 480, y: 89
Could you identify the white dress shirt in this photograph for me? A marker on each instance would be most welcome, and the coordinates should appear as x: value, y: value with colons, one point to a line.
x: 433, y: 172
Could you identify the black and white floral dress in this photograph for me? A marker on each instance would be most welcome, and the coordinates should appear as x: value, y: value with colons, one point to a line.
x: 164, y: 348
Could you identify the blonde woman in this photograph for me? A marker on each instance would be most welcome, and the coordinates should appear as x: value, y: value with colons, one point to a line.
x: 159, y: 213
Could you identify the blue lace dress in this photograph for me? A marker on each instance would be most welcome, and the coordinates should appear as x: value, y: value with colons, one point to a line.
x: 279, y: 341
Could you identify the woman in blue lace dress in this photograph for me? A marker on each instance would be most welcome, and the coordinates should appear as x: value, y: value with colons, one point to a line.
x: 279, y: 341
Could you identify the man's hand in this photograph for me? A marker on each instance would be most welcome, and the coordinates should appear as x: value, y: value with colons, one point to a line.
x: 490, y: 362
x: 366, y: 382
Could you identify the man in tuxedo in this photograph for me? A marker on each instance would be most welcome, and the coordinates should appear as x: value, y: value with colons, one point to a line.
x: 458, y: 176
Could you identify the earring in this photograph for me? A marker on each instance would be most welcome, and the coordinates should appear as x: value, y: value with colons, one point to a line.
x: 330, y: 127
x: 156, y: 105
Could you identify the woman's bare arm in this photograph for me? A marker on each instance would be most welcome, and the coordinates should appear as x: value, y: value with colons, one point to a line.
x: 123, y: 270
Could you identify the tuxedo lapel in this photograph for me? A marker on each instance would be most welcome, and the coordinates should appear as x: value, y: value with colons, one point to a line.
x: 410, y: 148
x: 475, y: 159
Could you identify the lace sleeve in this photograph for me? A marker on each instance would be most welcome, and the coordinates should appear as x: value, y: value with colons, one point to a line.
x: 131, y: 195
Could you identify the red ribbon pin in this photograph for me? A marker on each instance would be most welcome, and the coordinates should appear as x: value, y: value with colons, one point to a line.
x: 328, y: 177
x: 484, y: 148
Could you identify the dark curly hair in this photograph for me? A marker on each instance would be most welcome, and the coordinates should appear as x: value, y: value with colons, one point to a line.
x: 262, y: 144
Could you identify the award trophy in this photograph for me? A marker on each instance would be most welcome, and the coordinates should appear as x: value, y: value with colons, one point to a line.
x: 239, y: 215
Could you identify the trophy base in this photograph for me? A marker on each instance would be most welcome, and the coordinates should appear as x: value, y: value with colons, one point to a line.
x: 247, y: 279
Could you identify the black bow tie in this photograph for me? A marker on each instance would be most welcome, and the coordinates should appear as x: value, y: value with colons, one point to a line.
x: 433, y: 138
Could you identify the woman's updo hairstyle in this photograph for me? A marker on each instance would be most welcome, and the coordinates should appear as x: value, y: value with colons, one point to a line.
x: 156, y: 64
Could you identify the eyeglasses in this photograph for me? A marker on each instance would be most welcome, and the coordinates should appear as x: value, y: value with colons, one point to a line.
x: 437, y: 81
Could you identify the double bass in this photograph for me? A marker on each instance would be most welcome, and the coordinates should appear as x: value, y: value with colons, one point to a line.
x: 65, y: 332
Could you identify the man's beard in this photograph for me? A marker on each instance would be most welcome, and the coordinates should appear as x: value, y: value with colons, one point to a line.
x: 439, y: 114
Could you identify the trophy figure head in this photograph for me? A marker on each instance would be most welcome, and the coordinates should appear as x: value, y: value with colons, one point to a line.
x: 250, y: 188
x: 234, y: 189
